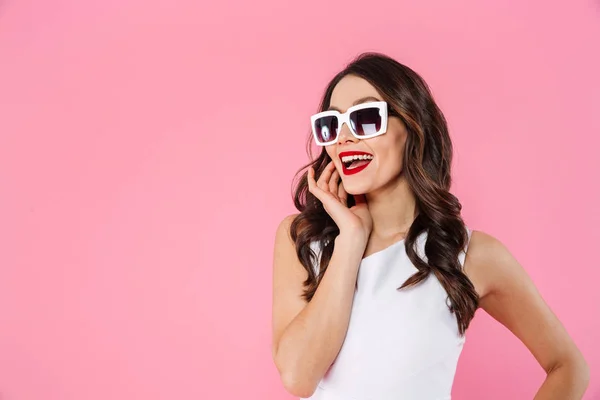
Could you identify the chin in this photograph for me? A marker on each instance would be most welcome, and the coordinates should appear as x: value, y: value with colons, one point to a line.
x: 355, y: 190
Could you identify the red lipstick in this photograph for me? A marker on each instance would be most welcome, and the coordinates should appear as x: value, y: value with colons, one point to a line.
x: 353, y: 170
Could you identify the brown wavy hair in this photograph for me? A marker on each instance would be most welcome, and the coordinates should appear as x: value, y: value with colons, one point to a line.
x: 427, y: 161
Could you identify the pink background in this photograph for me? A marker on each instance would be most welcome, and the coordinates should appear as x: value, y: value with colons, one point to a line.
x: 147, y: 150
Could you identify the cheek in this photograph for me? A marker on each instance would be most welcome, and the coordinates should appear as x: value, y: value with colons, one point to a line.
x: 391, y: 159
x: 330, y: 153
x: 336, y: 162
x: 390, y: 164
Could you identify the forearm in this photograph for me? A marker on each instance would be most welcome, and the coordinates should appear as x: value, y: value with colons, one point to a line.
x: 313, y: 339
x: 566, y: 382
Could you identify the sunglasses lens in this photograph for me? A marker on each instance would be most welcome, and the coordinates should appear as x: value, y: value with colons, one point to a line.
x: 326, y: 128
x: 366, y: 122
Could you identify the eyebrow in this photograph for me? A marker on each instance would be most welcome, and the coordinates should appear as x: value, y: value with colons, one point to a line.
x: 361, y: 100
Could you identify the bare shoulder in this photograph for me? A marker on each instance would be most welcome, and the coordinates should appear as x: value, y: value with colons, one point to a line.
x: 290, y: 218
x: 283, y: 230
x: 284, y: 246
x: 486, y: 261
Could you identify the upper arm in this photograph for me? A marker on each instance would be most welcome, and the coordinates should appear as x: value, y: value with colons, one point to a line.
x: 288, y: 277
x: 509, y: 295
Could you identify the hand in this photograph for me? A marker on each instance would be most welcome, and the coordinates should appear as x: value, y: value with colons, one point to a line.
x: 352, y: 221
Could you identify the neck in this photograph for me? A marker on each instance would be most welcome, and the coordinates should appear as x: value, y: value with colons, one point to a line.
x: 393, y: 210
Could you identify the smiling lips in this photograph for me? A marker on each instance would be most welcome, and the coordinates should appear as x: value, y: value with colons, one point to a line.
x: 358, y: 163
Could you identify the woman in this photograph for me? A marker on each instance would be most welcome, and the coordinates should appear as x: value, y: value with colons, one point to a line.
x: 377, y: 278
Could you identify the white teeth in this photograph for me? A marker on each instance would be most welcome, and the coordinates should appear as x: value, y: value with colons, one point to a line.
x: 357, y: 157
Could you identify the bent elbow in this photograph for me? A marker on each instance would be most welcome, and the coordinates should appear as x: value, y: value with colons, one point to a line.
x: 295, y: 382
x: 575, y: 369
x: 585, y: 373
x: 302, y: 388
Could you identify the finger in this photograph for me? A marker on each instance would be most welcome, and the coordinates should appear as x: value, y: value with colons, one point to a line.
x: 342, y: 193
x: 330, y: 202
x: 310, y: 179
x: 323, y: 181
x: 312, y: 185
x: 334, y: 181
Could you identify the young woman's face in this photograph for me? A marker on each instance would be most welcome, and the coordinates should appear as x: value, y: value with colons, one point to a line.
x: 387, y: 149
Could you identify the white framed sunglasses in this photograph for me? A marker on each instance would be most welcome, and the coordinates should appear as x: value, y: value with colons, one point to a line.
x: 364, y: 121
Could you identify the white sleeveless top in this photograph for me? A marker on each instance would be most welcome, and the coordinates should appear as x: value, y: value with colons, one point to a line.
x: 400, y: 344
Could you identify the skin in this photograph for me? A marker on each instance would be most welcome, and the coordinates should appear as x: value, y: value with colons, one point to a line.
x: 390, y: 201
x: 505, y: 290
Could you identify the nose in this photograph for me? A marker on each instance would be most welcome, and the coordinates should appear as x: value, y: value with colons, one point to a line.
x: 345, y: 134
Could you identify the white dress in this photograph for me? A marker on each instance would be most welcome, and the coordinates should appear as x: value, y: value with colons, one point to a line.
x: 400, y: 345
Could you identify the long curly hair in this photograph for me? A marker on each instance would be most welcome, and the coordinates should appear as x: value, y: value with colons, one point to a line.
x: 427, y: 162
